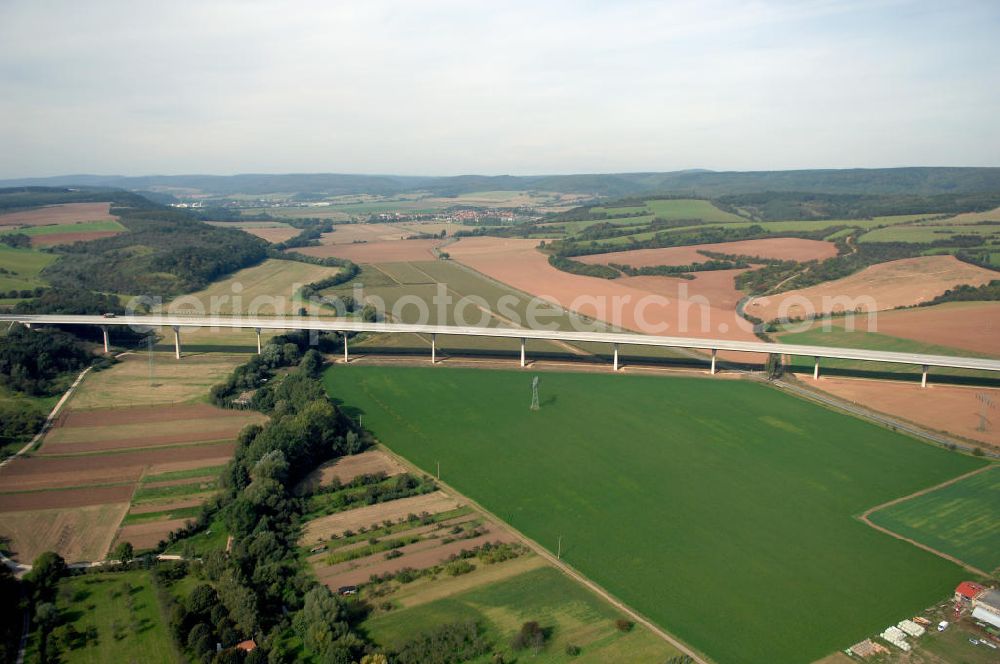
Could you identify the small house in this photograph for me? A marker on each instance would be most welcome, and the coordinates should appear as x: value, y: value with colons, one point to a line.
x: 967, y: 591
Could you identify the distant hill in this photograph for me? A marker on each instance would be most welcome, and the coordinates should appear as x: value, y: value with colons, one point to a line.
x: 923, y: 181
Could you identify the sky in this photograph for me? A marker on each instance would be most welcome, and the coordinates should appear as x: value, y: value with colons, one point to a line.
x: 441, y: 87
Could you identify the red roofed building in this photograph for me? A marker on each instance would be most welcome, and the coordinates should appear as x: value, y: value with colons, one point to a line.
x: 247, y: 645
x: 968, y: 591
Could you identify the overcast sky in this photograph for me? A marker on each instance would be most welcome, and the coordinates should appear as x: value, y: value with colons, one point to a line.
x: 443, y: 88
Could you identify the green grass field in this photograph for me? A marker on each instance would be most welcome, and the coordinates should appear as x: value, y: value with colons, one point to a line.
x: 960, y: 519
x: 118, y: 618
x: 82, y: 227
x: 574, y: 615
x: 25, y: 264
x: 721, y: 509
x: 927, y: 233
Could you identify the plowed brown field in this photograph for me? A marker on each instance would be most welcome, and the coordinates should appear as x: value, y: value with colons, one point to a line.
x: 53, y: 472
x: 322, y: 528
x: 102, y: 417
x: 389, y: 251
x: 889, y: 285
x: 782, y: 248
x: 66, y: 213
x: 347, y: 468
x: 940, y: 407
x: 701, y: 308
x: 64, y: 498
x: 972, y: 326
x: 53, y: 239
x: 79, y: 534
x: 148, y: 535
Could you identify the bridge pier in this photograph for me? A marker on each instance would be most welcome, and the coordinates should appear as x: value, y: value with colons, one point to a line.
x: 522, y: 351
x: 616, y: 356
x: 714, y: 353
x: 258, y: 340
x: 816, y: 370
x: 923, y: 377
x: 107, y: 346
x: 177, y: 341
x: 347, y: 358
x: 433, y: 348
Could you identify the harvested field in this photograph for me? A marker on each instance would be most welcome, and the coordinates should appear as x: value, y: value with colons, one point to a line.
x: 52, y: 239
x: 973, y: 326
x: 66, y: 213
x: 26, y: 473
x: 335, y: 524
x: 182, y: 431
x: 517, y: 263
x: 889, y: 285
x: 273, y: 235
x: 352, y: 233
x: 940, y: 407
x: 266, y: 289
x: 81, y: 534
x: 127, y: 383
x: 347, y: 468
x: 782, y: 248
x: 104, y: 417
x: 64, y: 498
x: 418, y: 556
x: 389, y: 251
x: 972, y: 217
x: 147, y: 535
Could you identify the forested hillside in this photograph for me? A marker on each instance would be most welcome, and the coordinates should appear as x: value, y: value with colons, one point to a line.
x: 932, y: 180
x: 166, y: 251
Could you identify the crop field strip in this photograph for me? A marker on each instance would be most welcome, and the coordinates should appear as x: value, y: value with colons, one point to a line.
x: 687, y: 475
x: 100, y: 462
x: 572, y: 615
x: 959, y: 519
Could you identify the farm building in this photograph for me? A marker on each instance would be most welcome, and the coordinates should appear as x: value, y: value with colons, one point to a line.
x: 967, y: 591
x: 986, y: 607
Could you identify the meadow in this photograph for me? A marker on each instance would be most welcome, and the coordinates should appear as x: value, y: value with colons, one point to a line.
x: 117, y: 618
x: 80, y: 227
x: 23, y: 266
x: 514, y: 593
x: 704, y: 504
x: 959, y: 519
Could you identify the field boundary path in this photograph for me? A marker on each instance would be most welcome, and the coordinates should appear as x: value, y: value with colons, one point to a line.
x: 562, y: 566
x: 864, y: 517
x: 48, y: 420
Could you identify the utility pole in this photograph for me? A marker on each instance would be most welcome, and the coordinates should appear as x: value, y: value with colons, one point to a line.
x: 439, y: 470
x: 559, y: 549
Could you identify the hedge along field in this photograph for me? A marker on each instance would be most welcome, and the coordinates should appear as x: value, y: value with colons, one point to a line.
x: 721, y: 509
x: 959, y: 519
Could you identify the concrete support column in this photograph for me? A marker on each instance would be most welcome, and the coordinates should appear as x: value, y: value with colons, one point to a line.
x: 923, y: 377
x: 177, y: 342
x: 433, y: 348
x: 522, y: 352
x: 346, y: 357
x: 714, y: 353
x: 816, y: 370
x: 616, y: 356
x: 259, y: 350
x: 107, y: 346
x: 28, y: 325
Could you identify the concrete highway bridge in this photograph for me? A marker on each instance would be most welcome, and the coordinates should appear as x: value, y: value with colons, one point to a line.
x: 612, y: 339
